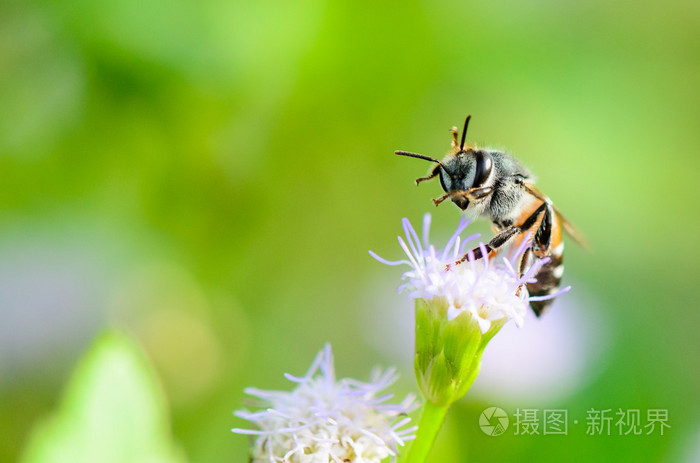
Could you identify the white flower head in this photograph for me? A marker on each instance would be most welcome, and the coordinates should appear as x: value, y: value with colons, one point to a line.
x: 486, y: 289
x: 327, y: 420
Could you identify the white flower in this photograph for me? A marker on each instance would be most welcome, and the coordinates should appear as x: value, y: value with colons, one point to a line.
x: 327, y: 420
x: 487, y: 290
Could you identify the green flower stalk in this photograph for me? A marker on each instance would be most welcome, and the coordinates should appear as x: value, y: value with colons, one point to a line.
x: 459, y: 308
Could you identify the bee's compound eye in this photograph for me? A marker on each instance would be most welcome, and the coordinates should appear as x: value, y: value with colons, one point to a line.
x: 484, y: 165
x: 445, y: 180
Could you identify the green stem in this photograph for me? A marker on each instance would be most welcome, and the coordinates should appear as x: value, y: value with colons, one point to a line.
x: 430, y: 422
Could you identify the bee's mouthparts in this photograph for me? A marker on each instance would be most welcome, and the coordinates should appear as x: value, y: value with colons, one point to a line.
x: 461, y: 202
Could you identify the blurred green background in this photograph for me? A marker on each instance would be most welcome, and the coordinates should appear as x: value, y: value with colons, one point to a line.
x: 209, y: 177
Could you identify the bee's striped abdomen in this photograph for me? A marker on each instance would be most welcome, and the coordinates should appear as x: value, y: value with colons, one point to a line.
x: 546, y: 242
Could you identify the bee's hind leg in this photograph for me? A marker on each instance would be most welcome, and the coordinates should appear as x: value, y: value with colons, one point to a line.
x: 505, y: 236
x: 543, y: 237
x: 549, y: 275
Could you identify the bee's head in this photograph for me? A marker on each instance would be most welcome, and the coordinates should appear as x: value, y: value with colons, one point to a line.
x: 465, y: 175
x: 469, y: 172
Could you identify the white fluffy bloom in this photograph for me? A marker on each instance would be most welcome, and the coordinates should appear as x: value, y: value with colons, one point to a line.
x: 327, y: 420
x: 487, y: 289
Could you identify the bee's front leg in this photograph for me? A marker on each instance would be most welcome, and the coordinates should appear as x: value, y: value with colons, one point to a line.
x: 433, y: 173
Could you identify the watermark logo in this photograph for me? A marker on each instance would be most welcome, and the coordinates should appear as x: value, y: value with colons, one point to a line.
x: 493, y: 421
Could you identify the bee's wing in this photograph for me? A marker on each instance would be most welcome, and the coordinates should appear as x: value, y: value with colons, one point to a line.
x: 570, y: 229
x: 574, y: 232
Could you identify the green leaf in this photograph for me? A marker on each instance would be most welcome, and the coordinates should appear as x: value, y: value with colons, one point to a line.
x: 113, y: 411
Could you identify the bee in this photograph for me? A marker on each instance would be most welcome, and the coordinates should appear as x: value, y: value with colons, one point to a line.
x: 490, y: 183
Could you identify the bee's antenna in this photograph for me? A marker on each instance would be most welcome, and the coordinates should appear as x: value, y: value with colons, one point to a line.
x: 464, y: 133
x: 416, y: 155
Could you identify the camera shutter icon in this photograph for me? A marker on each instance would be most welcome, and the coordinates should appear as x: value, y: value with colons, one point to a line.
x: 493, y: 421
